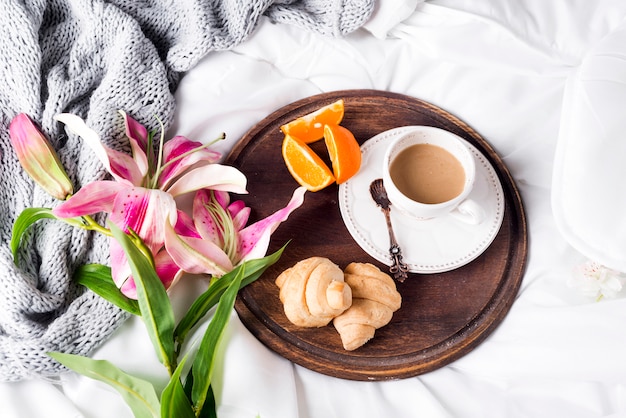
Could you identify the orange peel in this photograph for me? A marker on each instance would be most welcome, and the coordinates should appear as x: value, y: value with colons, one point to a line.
x: 310, y: 127
x: 344, y: 152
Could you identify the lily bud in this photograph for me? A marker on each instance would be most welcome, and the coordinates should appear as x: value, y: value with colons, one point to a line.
x: 38, y: 158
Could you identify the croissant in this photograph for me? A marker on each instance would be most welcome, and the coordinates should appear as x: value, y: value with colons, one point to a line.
x: 374, y: 300
x: 313, y: 292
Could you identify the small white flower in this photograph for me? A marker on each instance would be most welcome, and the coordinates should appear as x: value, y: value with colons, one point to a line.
x: 596, y: 281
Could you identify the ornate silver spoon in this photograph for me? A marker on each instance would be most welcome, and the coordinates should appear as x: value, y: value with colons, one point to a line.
x: 398, y: 268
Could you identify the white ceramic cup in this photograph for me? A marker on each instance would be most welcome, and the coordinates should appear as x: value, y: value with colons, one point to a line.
x: 459, y: 206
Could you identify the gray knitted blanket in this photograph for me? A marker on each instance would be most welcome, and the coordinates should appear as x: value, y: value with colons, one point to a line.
x: 91, y: 58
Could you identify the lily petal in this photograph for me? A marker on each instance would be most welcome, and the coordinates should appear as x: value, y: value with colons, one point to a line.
x: 185, y: 225
x: 138, y: 136
x: 213, y: 176
x: 97, y: 196
x: 254, y: 239
x: 195, y: 255
x: 204, y: 222
x: 240, y: 214
x: 165, y: 267
x: 135, y: 131
x: 179, y: 154
x: 120, y: 165
x: 167, y: 270
x: 120, y: 270
x: 222, y: 197
x: 238, y: 211
x: 145, y: 211
x: 77, y: 126
x: 124, y: 168
x: 129, y: 288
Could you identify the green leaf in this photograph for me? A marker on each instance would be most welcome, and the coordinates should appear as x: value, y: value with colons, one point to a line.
x: 202, y: 368
x: 202, y: 305
x: 154, y: 303
x: 138, y: 394
x: 188, y: 384
x: 98, y: 279
x: 174, y: 400
x: 209, y: 410
x: 28, y: 217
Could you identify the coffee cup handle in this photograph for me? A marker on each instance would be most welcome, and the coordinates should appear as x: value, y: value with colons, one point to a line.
x: 469, y: 212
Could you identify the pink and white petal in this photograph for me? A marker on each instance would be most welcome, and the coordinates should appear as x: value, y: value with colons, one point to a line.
x: 222, y: 197
x: 129, y: 288
x: 167, y: 270
x: 138, y: 136
x: 135, y: 131
x: 254, y: 239
x: 140, y: 158
x: 97, y: 196
x: 176, y: 148
x: 195, y: 255
x: 201, y: 199
x: 185, y: 225
x: 240, y: 214
x: 120, y: 270
x: 145, y: 211
x: 235, y: 207
x: 213, y: 176
x: 124, y: 168
x: 204, y: 222
x: 257, y: 250
x: 120, y: 165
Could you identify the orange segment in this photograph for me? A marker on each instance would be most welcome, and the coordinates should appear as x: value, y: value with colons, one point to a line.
x: 309, y: 128
x: 344, y: 152
x: 306, y: 167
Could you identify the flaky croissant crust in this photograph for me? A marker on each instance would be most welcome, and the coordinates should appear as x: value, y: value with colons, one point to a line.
x: 358, y: 300
x: 313, y: 292
x: 374, y: 300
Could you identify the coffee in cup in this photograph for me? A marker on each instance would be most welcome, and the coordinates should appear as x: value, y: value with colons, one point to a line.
x: 429, y: 172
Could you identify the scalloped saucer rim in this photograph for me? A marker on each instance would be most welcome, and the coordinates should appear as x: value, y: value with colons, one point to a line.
x: 428, y: 246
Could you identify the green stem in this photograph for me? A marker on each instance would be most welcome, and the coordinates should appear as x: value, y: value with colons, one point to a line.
x: 91, y: 225
x: 88, y: 223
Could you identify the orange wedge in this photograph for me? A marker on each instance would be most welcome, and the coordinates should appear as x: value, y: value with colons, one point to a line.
x: 344, y: 152
x: 306, y: 167
x: 309, y: 128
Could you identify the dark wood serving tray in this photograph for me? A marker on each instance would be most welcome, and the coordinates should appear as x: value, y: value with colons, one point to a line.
x: 443, y: 316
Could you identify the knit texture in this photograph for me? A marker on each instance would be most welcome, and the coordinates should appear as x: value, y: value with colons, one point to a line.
x: 91, y: 58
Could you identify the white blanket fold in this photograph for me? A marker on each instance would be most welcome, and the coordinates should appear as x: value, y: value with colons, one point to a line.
x: 589, y: 191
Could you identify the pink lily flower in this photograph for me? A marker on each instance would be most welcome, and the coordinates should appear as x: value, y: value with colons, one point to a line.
x: 224, y: 240
x: 38, y: 158
x: 141, y: 196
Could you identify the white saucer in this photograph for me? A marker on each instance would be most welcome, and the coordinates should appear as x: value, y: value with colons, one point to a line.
x: 428, y: 246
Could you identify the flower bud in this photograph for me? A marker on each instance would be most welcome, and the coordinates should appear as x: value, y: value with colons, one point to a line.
x: 38, y: 158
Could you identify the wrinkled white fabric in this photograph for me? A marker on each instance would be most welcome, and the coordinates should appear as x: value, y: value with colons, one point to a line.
x: 387, y: 15
x: 588, y: 191
x: 507, y: 69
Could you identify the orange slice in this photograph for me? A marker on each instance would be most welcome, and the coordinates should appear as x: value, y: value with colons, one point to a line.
x: 344, y: 152
x: 306, y: 167
x: 309, y: 128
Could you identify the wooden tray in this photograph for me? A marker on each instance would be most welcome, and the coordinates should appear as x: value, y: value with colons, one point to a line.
x: 443, y: 316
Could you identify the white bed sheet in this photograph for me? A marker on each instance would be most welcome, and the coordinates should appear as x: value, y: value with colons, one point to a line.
x: 538, y: 80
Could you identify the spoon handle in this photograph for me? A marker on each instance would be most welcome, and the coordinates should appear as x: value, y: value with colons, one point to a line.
x: 398, y: 268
